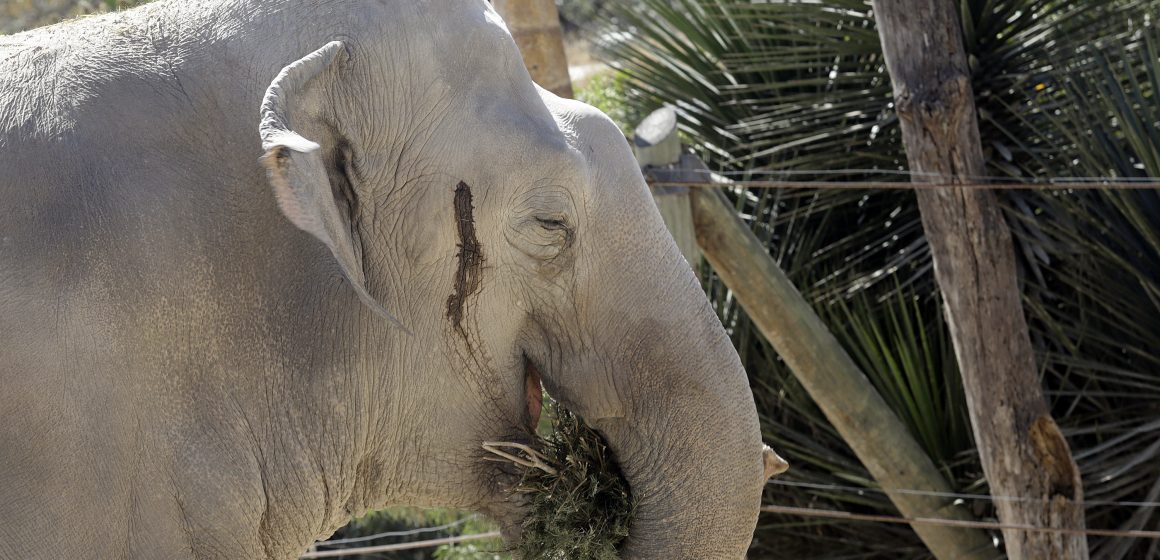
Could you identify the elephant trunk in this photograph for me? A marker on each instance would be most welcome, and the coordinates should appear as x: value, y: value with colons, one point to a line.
x: 689, y: 443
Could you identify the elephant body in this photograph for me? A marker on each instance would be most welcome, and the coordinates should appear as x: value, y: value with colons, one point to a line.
x: 266, y: 265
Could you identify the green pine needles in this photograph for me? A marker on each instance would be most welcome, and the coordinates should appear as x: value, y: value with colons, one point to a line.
x: 580, y: 504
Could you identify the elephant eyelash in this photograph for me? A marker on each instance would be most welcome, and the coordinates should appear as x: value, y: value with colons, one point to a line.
x: 562, y: 233
x: 552, y: 223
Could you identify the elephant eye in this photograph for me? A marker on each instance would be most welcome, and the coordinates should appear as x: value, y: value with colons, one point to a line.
x: 544, y: 236
x: 552, y: 224
x: 543, y: 223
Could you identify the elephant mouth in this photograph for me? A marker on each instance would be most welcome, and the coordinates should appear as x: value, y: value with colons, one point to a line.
x: 511, y: 511
x: 570, y: 488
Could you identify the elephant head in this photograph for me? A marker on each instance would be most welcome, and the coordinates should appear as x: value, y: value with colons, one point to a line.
x: 500, y: 237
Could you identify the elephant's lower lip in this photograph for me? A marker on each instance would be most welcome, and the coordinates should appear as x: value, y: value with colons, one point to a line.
x: 533, y: 393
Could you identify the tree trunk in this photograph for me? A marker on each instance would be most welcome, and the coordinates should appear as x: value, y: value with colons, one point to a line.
x: 848, y: 399
x: 1022, y: 450
x: 535, y: 24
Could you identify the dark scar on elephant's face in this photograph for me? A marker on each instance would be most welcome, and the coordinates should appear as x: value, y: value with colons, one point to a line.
x: 467, y: 275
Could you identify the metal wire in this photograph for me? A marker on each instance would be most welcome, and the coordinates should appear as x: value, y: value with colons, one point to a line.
x: 396, y: 547
x: 912, y: 174
x: 953, y: 495
x: 849, y: 516
x: 395, y: 534
x: 1107, y: 184
x: 937, y: 180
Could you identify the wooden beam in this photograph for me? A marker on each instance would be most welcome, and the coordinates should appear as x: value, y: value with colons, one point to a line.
x: 848, y: 399
x: 1022, y: 450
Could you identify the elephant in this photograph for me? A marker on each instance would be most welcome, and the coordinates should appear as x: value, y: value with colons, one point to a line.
x: 266, y: 265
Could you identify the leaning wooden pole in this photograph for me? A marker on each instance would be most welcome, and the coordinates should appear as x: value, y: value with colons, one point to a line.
x: 535, y: 25
x: 1022, y: 450
x: 845, y: 395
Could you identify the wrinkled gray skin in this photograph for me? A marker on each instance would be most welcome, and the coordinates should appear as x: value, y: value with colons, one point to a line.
x: 187, y: 374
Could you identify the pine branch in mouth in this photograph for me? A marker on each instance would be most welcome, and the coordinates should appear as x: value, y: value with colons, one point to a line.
x: 580, y: 505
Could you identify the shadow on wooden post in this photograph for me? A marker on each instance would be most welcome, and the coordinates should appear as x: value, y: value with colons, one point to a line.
x: 657, y: 147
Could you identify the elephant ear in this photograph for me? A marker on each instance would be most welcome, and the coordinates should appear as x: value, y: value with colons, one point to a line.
x: 297, y: 170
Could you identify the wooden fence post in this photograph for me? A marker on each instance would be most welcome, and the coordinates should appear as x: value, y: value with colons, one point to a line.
x: 701, y: 218
x: 1022, y: 450
x: 845, y: 395
x: 657, y: 147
